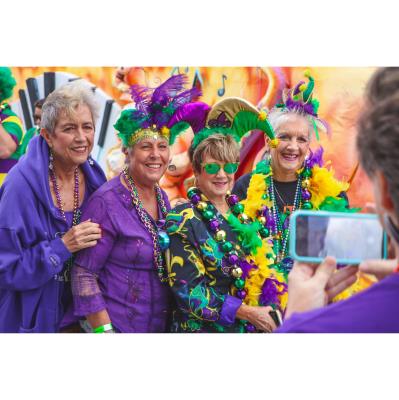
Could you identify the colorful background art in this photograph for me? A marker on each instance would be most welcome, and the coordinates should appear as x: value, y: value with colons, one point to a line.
x: 339, y: 91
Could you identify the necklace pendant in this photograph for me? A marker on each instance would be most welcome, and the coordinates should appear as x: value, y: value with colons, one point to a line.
x: 288, y: 210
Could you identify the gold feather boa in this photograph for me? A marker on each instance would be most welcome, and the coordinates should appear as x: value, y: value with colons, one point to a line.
x: 323, y: 184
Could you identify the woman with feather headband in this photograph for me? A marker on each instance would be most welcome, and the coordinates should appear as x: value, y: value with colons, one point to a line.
x: 121, y: 286
x: 292, y: 177
x: 210, y: 255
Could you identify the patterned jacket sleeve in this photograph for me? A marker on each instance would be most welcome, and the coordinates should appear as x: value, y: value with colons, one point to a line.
x: 193, y: 288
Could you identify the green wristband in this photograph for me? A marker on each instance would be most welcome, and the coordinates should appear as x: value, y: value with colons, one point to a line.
x: 103, y: 328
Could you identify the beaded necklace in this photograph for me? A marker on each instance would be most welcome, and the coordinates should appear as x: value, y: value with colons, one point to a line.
x: 66, y: 274
x: 282, y: 225
x: 160, y: 238
x: 276, y: 226
x: 234, y: 260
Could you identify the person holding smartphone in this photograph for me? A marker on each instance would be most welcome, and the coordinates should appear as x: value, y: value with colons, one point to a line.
x: 311, y: 287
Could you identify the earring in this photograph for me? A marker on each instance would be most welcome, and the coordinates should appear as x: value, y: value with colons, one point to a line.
x: 90, y: 160
x: 51, y: 160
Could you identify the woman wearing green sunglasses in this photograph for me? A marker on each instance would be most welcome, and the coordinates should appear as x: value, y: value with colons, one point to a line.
x: 207, y: 262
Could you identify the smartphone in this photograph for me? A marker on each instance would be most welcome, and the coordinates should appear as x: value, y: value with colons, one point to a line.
x: 276, y: 317
x: 349, y: 237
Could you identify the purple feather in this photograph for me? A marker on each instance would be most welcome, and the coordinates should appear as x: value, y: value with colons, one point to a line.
x: 298, y: 105
x: 315, y: 158
x: 141, y: 97
x: 168, y: 89
x: 186, y: 96
x: 296, y: 88
x: 193, y: 113
x: 246, y: 267
x: 271, y: 292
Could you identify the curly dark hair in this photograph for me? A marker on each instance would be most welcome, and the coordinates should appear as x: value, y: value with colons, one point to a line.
x: 378, y: 129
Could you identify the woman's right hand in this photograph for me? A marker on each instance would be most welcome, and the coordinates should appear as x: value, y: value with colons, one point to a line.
x: 257, y: 316
x: 82, y: 236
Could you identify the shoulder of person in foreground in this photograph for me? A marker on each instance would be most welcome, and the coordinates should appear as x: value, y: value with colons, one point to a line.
x: 374, y: 310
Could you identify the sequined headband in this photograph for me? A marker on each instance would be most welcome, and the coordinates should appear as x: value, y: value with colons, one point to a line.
x: 153, y: 133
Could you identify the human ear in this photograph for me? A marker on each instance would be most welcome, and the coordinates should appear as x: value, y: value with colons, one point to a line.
x: 47, y: 137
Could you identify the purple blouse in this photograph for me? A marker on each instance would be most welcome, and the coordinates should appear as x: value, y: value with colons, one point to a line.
x: 118, y: 274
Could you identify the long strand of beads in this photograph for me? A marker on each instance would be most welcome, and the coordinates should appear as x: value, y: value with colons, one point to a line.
x: 76, y: 212
x: 281, y: 237
x: 147, y: 222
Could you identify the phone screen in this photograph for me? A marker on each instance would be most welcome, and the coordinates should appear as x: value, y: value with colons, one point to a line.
x: 349, y: 238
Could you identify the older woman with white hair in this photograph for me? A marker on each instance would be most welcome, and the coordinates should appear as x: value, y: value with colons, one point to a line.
x: 291, y: 176
x: 40, y: 214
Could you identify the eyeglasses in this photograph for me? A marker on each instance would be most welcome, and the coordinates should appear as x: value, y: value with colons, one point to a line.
x: 214, y: 168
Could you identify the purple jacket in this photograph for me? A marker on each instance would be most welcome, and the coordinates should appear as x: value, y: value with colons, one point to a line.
x: 374, y: 310
x: 31, y: 252
x: 118, y: 274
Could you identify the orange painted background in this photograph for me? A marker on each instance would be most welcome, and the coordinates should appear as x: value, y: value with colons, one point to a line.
x: 339, y: 91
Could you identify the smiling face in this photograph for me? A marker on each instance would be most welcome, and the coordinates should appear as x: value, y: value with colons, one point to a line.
x: 148, y: 160
x: 73, y: 136
x: 294, y: 141
x: 214, y: 186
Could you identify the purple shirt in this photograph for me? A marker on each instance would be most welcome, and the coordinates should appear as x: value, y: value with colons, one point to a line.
x: 375, y: 310
x: 118, y: 274
x: 32, y: 254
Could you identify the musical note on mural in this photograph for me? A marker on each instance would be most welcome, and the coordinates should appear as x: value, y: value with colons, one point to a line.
x: 222, y: 90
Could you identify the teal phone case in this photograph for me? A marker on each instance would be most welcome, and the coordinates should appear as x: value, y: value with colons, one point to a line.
x: 293, y: 221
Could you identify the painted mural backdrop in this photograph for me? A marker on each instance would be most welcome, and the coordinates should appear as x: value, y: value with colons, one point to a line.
x: 339, y: 91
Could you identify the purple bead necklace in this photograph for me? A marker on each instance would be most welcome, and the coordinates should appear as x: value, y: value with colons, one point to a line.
x: 65, y: 276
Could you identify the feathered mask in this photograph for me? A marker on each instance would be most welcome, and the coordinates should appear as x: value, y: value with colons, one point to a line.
x: 154, y: 109
x: 300, y: 99
x: 231, y: 116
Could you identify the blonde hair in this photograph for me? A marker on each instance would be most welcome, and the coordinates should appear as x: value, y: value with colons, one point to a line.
x: 66, y: 99
x: 220, y: 147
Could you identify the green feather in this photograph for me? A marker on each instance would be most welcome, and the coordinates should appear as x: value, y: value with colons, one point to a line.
x: 316, y: 132
x: 7, y: 83
x: 309, y: 89
x: 262, y: 167
x: 126, y: 126
x: 176, y: 130
x: 247, y: 233
x: 338, y: 204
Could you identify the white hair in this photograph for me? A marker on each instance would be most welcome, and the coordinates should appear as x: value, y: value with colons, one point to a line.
x: 66, y: 99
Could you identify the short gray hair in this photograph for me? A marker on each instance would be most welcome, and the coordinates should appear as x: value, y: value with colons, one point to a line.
x: 66, y: 99
x: 278, y: 116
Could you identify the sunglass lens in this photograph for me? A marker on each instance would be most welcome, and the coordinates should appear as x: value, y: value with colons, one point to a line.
x: 231, y: 168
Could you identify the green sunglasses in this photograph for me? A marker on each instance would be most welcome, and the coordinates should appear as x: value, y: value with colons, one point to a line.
x: 214, y: 168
